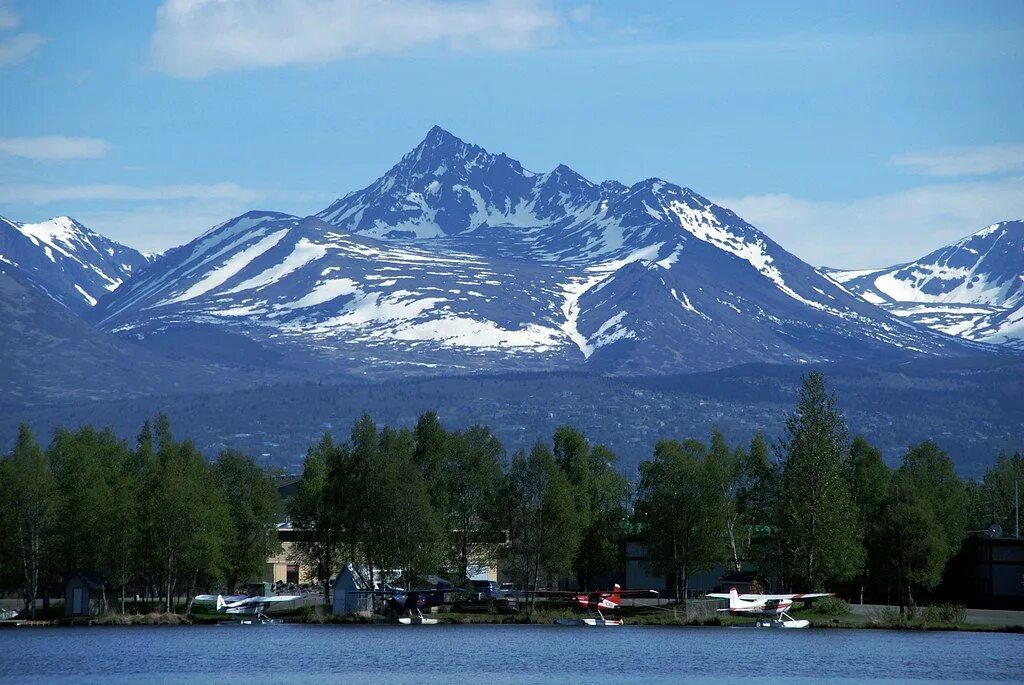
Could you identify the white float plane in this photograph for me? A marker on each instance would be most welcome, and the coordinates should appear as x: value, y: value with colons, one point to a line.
x: 771, y: 611
x: 248, y: 606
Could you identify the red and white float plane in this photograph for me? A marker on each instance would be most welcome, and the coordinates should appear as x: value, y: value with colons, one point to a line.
x: 595, y: 603
x: 771, y: 611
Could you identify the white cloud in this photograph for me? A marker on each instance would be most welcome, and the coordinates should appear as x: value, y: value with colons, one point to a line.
x: 195, y: 38
x: 157, y: 227
x: 50, y: 148
x: 964, y: 161
x: 18, y: 48
x: 581, y: 13
x: 881, y: 230
x: 8, y: 17
x: 45, y: 194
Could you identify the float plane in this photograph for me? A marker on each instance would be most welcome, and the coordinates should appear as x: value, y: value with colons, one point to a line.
x: 594, y: 602
x: 248, y: 606
x: 770, y: 611
x: 408, y: 605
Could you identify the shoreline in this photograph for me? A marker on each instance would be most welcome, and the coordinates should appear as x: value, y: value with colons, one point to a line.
x: 850, y: 621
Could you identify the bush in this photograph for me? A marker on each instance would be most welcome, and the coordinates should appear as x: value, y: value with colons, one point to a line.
x: 945, y: 614
x: 890, y: 617
x: 831, y: 606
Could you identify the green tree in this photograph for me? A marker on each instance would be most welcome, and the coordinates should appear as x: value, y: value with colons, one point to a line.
x: 1001, y: 491
x: 681, y: 511
x: 818, y: 522
x: 725, y: 468
x: 190, y: 523
x: 97, y: 495
x: 599, y: 550
x: 314, y: 512
x: 431, y: 451
x: 934, y: 478
x: 869, y: 479
x: 598, y: 493
x: 759, y: 504
x: 916, y: 543
x: 404, y: 532
x: 252, y: 503
x: 27, y: 509
x: 541, y: 518
x: 471, y: 479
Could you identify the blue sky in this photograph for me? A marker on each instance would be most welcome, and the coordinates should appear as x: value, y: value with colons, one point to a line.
x: 855, y: 134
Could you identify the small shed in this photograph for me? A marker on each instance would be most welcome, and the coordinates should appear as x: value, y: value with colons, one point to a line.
x: 86, y: 593
x: 346, y: 601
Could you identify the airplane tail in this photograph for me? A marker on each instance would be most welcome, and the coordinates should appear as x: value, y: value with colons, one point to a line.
x: 220, y: 602
x: 615, y: 597
x: 734, y: 599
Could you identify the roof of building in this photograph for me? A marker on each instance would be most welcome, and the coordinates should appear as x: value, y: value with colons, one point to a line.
x: 94, y: 580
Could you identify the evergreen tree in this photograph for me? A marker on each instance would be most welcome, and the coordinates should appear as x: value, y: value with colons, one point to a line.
x: 818, y: 522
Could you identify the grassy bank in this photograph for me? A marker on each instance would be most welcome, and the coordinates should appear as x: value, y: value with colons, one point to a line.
x: 827, y: 615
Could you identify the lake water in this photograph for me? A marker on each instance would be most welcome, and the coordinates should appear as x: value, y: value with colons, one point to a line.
x: 501, y: 654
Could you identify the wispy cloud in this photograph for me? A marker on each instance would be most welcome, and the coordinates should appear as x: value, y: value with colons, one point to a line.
x: 980, y: 160
x: 52, y: 148
x: 18, y: 48
x: 8, y: 17
x: 45, y: 194
x: 881, y: 230
x: 195, y: 38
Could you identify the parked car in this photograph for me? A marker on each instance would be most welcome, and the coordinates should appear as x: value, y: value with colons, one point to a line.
x: 485, y: 589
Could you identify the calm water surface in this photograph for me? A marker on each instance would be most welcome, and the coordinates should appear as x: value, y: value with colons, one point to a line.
x: 501, y: 654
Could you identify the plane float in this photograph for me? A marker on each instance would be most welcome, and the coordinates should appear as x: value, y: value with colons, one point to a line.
x: 770, y: 611
x: 245, y: 605
x: 595, y: 604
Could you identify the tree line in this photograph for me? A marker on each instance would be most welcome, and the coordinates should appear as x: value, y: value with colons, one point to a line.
x: 157, y: 520
x: 811, y: 510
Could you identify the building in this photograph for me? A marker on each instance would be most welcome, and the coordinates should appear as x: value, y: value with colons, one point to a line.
x: 86, y: 593
x: 988, y: 573
x: 281, y: 567
x: 345, y: 599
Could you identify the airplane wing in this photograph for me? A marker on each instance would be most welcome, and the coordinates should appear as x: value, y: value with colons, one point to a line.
x: 227, y: 598
x: 767, y: 598
x: 272, y: 598
x: 638, y: 593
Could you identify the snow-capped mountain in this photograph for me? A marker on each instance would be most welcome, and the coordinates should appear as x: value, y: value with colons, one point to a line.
x: 458, y: 258
x: 70, y: 263
x: 973, y: 288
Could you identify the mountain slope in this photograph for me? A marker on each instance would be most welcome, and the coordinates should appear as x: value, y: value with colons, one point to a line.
x: 66, y: 261
x: 973, y: 288
x: 462, y: 260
